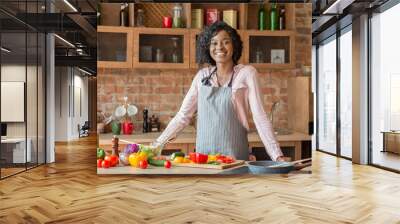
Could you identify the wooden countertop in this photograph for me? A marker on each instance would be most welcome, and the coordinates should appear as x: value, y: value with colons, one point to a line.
x: 190, y: 138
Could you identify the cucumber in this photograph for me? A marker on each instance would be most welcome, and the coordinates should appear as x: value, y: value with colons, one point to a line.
x: 177, y: 154
x: 156, y: 162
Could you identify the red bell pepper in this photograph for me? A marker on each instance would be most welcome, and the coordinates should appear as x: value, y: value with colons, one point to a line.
x: 201, y: 158
x: 192, y: 156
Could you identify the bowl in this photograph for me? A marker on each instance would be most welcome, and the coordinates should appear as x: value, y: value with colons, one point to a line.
x: 269, y: 167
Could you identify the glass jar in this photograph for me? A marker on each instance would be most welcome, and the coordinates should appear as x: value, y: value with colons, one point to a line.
x: 177, y: 16
x: 140, y: 18
x: 175, y: 56
x: 259, y: 56
x: 159, y: 55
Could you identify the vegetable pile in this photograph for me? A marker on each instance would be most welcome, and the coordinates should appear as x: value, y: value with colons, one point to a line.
x: 141, y: 156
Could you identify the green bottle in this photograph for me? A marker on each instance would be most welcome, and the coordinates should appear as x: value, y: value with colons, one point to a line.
x: 273, y: 17
x: 261, y: 18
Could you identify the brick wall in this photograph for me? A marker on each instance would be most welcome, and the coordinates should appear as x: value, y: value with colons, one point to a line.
x: 162, y: 91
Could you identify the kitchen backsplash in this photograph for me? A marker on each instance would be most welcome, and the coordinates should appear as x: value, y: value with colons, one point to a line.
x: 162, y: 91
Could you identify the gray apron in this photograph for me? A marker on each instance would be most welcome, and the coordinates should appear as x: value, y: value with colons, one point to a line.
x: 218, y: 128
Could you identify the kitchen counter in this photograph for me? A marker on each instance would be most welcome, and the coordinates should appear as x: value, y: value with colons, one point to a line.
x: 241, y: 169
x: 161, y: 170
x: 186, y: 141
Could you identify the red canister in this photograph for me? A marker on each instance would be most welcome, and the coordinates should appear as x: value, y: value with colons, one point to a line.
x: 212, y: 16
x: 167, y: 22
x: 127, y: 128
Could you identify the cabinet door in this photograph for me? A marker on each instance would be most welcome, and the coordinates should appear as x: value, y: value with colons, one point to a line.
x: 270, y: 49
x: 114, y: 47
x: 161, y: 48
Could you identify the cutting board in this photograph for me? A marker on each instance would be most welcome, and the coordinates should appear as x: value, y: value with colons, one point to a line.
x: 211, y: 166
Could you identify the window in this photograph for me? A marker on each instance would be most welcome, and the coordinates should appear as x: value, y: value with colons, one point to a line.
x: 385, y: 88
x: 327, y: 96
x: 346, y: 75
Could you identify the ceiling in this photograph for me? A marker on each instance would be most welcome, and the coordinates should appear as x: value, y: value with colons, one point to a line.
x: 75, y: 23
x: 333, y: 15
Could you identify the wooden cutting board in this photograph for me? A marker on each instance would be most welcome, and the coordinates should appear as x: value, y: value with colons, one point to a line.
x: 210, y: 166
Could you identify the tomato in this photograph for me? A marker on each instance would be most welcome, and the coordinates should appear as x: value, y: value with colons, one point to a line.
x: 220, y: 160
x: 201, y: 158
x: 107, y: 158
x: 113, y: 160
x: 99, y: 161
x: 105, y: 164
x: 229, y: 159
x: 143, y: 164
x: 167, y: 164
x: 220, y: 157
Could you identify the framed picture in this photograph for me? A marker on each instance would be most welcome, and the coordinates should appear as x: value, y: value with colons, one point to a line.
x: 277, y: 56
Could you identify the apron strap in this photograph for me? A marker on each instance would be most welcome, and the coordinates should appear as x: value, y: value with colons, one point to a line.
x: 206, y: 80
x: 230, y: 82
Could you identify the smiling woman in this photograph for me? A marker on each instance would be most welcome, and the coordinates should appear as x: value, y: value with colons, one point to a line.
x: 220, y: 94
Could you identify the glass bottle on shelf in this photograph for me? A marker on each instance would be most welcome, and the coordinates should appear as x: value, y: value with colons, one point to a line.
x: 273, y: 17
x: 175, y: 56
x: 140, y: 18
x: 159, y: 55
x: 259, y: 56
x: 123, y: 15
x: 177, y: 16
x: 282, y: 19
x: 261, y: 17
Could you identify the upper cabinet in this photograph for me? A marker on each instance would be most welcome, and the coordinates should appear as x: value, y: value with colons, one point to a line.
x: 114, y: 47
x: 161, y: 48
x: 155, y: 39
x: 270, y: 49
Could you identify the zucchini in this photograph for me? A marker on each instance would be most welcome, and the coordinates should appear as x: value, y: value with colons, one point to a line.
x: 177, y: 154
x: 156, y: 162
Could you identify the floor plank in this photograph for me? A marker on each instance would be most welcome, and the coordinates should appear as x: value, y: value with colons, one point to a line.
x: 69, y: 191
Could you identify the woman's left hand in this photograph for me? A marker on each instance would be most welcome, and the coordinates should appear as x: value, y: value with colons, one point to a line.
x: 283, y: 159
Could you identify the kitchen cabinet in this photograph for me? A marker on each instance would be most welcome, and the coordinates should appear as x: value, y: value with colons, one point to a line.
x: 269, y: 49
x: 114, y: 47
x: 161, y: 48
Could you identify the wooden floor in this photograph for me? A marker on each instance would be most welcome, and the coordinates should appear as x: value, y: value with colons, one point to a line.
x: 69, y: 191
x: 387, y: 159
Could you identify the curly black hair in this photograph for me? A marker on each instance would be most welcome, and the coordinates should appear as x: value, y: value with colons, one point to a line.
x: 204, y: 41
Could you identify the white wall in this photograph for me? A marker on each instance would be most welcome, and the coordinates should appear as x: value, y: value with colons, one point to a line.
x: 67, y: 115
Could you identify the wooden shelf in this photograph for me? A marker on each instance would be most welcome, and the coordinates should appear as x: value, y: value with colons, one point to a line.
x: 247, y: 13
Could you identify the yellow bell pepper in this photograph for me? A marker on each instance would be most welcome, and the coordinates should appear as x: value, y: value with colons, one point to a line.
x: 178, y: 159
x: 212, y: 158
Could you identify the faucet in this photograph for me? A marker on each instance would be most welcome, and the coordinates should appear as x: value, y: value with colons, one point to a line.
x: 273, y: 109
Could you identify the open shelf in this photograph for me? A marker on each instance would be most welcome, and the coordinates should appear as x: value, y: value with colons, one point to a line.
x: 136, y: 47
